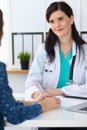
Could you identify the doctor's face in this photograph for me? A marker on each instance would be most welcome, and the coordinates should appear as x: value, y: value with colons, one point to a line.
x: 60, y: 23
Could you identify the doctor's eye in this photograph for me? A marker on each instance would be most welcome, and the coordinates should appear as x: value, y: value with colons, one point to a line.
x: 51, y: 21
x: 61, y: 18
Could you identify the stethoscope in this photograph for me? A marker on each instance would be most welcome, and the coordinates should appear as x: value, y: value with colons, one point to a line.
x: 71, y: 71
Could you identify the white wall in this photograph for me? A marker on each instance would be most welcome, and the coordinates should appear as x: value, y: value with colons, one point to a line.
x: 5, y: 49
x: 83, y: 15
x: 27, y: 16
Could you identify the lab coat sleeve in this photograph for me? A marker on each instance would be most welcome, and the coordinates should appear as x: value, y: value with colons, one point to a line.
x: 75, y: 89
x: 34, y: 79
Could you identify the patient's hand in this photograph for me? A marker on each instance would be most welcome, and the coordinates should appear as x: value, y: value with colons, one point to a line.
x: 50, y: 103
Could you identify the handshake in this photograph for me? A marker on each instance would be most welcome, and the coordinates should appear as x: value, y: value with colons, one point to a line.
x: 47, y: 101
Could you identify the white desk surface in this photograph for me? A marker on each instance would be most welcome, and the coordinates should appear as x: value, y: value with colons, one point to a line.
x: 59, y: 117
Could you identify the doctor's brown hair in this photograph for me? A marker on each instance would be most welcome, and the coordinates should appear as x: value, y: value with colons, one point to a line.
x: 51, y: 38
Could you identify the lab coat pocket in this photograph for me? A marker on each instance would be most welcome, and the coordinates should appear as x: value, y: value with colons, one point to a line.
x: 48, y: 73
x: 49, y: 67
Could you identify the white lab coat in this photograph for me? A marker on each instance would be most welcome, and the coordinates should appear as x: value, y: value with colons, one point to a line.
x: 44, y: 75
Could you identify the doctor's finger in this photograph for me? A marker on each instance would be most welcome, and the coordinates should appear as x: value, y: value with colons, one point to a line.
x: 47, y: 94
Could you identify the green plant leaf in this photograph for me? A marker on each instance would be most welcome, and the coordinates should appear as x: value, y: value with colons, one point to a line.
x: 24, y: 56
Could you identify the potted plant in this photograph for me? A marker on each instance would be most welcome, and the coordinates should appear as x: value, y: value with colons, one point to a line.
x: 24, y: 59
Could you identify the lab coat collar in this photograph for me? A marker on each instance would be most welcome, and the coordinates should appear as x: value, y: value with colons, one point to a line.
x: 74, y: 51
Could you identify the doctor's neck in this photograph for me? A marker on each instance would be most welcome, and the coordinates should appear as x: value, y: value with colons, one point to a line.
x: 65, y: 45
x: 66, y: 42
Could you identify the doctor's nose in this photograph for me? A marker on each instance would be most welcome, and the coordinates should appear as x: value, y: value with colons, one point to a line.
x: 57, y: 24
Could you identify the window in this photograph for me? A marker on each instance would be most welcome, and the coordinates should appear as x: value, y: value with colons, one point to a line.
x: 25, y: 42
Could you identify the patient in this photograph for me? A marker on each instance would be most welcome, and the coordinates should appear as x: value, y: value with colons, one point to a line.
x: 18, y: 111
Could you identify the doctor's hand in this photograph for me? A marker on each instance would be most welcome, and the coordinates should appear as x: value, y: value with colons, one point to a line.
x: 50, y: 103
x: 54, y: 91
x: 39, y: 95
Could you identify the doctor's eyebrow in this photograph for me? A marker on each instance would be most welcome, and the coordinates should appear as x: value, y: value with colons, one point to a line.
x: 59, y: 19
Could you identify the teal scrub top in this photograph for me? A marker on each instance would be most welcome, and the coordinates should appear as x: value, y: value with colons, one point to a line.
x: 64, y: 68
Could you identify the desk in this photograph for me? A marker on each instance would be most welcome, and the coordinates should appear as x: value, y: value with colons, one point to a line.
x: 59, y: 117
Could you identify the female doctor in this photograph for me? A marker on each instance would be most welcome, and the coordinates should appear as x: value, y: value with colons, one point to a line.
x: 60, y: 65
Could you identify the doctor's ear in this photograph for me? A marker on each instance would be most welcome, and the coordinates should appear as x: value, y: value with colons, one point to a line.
x: 72, y: 19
